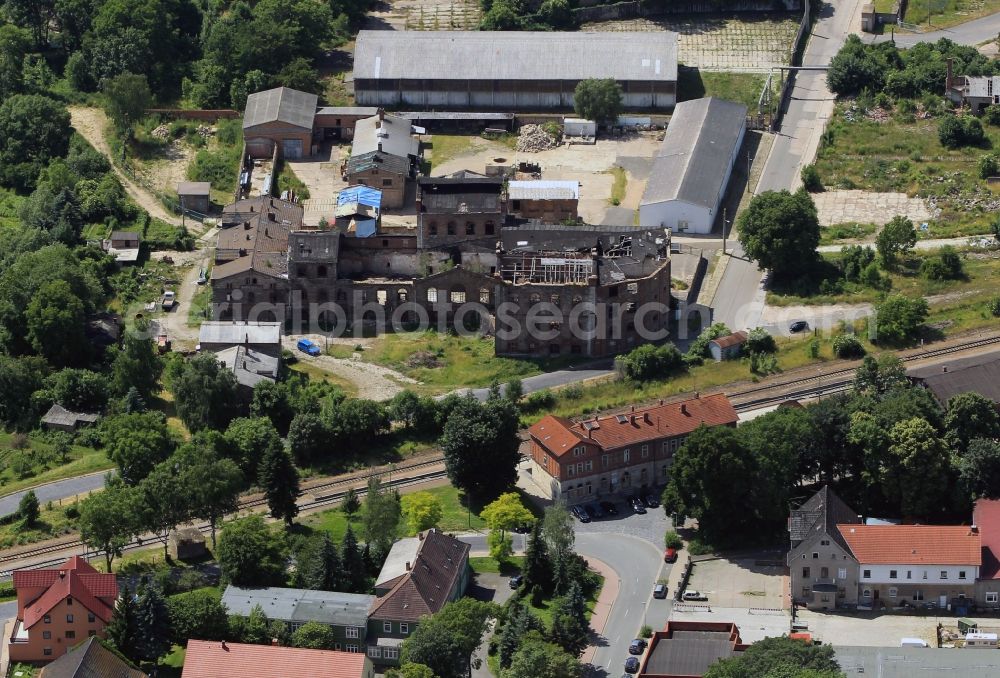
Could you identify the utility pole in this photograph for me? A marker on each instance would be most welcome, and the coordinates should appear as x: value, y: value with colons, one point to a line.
x: 724, y: 222
x: 749, y: 162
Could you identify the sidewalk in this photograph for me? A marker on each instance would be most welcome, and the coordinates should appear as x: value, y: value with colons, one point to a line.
x: 602, y: 608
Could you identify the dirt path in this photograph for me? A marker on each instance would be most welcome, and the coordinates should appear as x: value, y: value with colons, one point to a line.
x: 373, y: 382
x: 91, y: 123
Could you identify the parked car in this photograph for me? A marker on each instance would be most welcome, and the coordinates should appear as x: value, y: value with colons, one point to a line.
x: 670, y: 556
x: 609, y: 508
x: 515, y: 581
x: 589, y: 510
x: 637, y: 646
x: 580, y: 514
x: 169, y: 300
x: 632, y: 665
x: 660, y: 591
x: 650, y: 500
x: 308, y: 347
x: 523, y: 528
x: 595, y: 511
x: 202, y: 277
x: 694, y: 595
x: 798, y: 326
x: 637, y: 505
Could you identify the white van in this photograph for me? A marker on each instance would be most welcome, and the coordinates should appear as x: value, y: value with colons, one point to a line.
x: 913, y: 642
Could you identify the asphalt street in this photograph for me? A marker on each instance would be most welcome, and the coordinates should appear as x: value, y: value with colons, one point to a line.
x: 540, y: 382
x: 970, y: 33
x: 60, y: 489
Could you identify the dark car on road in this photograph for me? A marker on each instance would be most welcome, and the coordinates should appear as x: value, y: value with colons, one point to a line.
x: 595, y: 511
x: 632, y: 665
x: 660, y: 591
x: 637, y: 505
x: 798, y: 326
x: 609, y: 508
x: 650, y: 500
x: 523, y: 528
x: 580, y: 514
x: 637, y: 646
x: 515, y: 581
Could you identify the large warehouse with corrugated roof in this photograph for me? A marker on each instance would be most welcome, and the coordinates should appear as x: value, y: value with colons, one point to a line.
x: 511, y: 70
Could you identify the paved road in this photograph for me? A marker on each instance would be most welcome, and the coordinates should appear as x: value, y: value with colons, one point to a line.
x: 970, y: 33
x: 60, y: 489
x: 540, y: 382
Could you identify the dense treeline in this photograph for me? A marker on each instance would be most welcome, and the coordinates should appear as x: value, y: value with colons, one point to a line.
x: 887, y: 446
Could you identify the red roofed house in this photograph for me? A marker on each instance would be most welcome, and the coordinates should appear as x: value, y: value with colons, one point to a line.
x: 59, y: 608
x: 986, y: 517
x: 212, y: 659
x: 584, y: 460
x: 420, y: 575
x: 836, y: 561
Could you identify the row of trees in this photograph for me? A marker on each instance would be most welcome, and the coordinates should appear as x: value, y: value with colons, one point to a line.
x: 887, y: 445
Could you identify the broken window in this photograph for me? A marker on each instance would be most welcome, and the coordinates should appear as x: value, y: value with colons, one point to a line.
x: 458, y: 297
x: 432, y: 295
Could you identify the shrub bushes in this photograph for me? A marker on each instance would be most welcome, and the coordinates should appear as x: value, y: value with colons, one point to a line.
x: 954, y: 132
x: 649, y: 362
x: 848, y: 346
x: 947, y: 265
x: 810, y: 179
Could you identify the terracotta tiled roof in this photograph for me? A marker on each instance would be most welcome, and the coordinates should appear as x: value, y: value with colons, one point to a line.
x: 617, y: 430
x: 210, y: 659
x: 424, y: 589
x: 733, y: 339
x: 93, y: 590
x: 913, y: 544
x: 986, y: 516
x: 91, y: 660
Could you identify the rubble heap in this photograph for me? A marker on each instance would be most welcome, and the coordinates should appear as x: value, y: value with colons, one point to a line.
x: 161, y: 132
x: 533, y: 138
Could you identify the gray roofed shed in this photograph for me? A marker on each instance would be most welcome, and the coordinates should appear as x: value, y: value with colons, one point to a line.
x: 301, y: 605
x: 515, y: 55
x: 694, y: 162
x: 58, y: 417
x: 194, y: 188
x: 282, y: 104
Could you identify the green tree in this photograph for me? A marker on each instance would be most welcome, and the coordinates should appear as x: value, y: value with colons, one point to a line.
x: 811, y: 180
x: 250, y: 554
x: 381, y: 515
x: 280, y: 481
x: 79, y: 390
x: 205, y: 393
x: 136, y: 443
x: 672, y: 540
x: 135, y: 365
x: 163, y: 502
x: 270, y: 399
x: 445, y: 641
x: 501, y: 546
x: 410, y: 670
x: 779, y: 657
x: 600, y: 100
x: 351, y: 503
x: 314, y: 636
x: 898, y: 318
x: 152, y: 623
x: 480, y: 445
x: 920, y: 468
x: 123, y: 628
x: 519, y: 621
x: 55, y: 320
x: 649, y: 362
x: 780, y: 231
x: 570, y: 628
x: 537, y: 569
x: 560, y: 538
x: 354, y: 565
x: 879, y: 375
x: 28, y: 509
x: 712, y: 479
x: 250, y: 441
x: 946, y: 266
x: 33, y: 130
x: 318, y: 566
x: 14, y: 44
x: 506, y: 513
x: 308, y: 437
x: 423, y: 511
x: 970, y: 415
x: 895, y: 239
x: 214, y: 486
x: 19, y: 378
x: 979, y: 469
x: 107, y: 520
x: 197, y: 614
x: 536, y: 658
x: 126, y: 98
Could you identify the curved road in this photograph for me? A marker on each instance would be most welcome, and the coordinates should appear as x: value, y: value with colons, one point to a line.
x: 54, y: 491
x: 972, y: 32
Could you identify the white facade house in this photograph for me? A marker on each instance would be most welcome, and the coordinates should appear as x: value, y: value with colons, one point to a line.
x: 691, y: 171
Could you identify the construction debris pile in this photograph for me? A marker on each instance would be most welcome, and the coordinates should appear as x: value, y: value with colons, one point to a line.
x: 161, y: 132
x: 533, y: 138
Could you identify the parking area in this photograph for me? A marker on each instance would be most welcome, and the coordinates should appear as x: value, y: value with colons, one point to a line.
x: 650, y: 526
x: 743, y: 583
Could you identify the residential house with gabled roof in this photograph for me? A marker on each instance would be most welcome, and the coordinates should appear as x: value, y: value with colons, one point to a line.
x: 91, y: 659
x: 212, y: 659
x: 835, y: 560
x: 384, y: 156
x: 420, y: 575
x: 578, y: 461
x: 986, y: 517
x: 59, y: 607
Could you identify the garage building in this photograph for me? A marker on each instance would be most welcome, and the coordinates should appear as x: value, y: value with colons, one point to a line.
x: 511, y: 70
x: 691, y: 171
x: 282, y: 117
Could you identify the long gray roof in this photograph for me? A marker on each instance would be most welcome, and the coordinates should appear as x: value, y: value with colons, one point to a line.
x: 281, y: 104
x: 978, y: 374
x: 301, y: 605
x: 515, y: 55
x: 693, y: 162
x: 906, y: 662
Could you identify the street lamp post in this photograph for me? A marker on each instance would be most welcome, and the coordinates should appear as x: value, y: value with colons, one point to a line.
x: 750, y: 160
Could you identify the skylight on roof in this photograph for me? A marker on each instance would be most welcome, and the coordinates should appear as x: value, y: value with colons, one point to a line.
x: 621, y: 418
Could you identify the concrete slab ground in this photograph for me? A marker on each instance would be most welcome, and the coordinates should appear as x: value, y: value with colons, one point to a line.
x: 321, y: 174
x: 743, y: 583
x: 870, y: 630
x: 754, y: 625
x: 868, y: 207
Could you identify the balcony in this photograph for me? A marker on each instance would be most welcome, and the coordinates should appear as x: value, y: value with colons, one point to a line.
x: 19, y: 634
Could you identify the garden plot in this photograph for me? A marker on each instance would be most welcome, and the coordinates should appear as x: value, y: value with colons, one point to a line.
x: 427, y: 15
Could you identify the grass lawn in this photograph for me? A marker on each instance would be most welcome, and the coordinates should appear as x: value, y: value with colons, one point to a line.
x: 742, y: 87
x: 287, y: 180
x: 905, y: 155
x: 488, y: 565
x: 619, y: 186
x: 458, y: 361
x: 848, y: 232
x: 944, y: 13
x: 35, y: 471
x: 171, y: 665
x: 24, y: 671
x: 200, y: 305
x: 9, y: 204
x: 317, y: 374
x: 444, y: 147
x: 50, y: 524
x: 884, y: 6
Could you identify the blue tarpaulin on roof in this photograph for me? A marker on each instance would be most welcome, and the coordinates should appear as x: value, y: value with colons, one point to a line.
x: 364, y: 229
x: 362, y: 195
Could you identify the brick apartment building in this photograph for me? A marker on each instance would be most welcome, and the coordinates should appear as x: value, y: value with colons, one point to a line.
x: 620, y: 453
x: 58, y: 608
